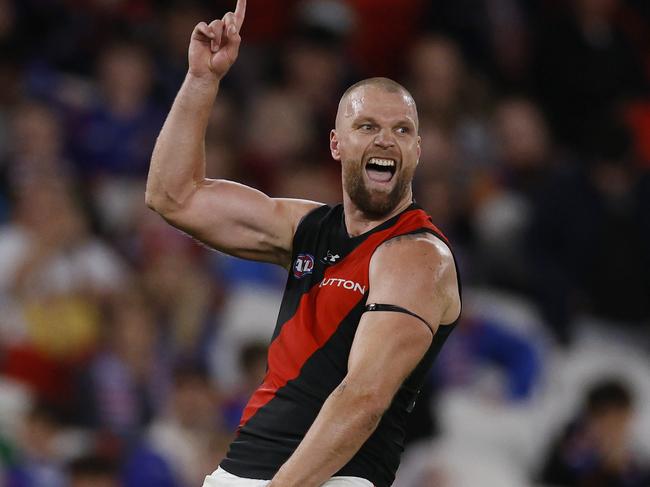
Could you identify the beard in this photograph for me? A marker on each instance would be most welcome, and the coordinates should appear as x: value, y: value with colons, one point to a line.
x: 374, y: 204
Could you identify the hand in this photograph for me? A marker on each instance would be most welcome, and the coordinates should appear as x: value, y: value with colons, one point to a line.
x: 214, y: 47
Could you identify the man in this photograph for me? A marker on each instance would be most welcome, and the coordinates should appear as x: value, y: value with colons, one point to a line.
x: 595, y: 448
x: 370, y: 280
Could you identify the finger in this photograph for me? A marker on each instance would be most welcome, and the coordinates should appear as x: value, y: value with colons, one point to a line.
x: 232, y: 38
x: 229, y: 19
x: 229, y: 26
x: 202, y: 32
x: 231, y: 34
x: 216, y: 27
x: 240, y: 13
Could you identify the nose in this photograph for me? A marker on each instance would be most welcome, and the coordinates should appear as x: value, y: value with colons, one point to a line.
x: 384, y: 139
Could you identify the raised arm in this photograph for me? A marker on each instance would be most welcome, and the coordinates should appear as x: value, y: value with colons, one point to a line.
x: 417, y: 273
x: 225, y: 215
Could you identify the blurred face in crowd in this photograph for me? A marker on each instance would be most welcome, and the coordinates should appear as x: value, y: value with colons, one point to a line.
x: 125, y: 76
x: 376, y: 139
x: 194, y: 403
x: 521, y: 133
x: 611, y: 428
x: 278, y: 127
x: 36, y: 132
x: 437, y: 70
x: 47, y: 209
x: 313, y: 70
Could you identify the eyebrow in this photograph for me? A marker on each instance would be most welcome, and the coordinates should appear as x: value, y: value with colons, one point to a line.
x: 368, y: 118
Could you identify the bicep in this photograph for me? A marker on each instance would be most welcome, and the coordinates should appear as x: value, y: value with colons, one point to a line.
x: 386, y: 348
x: 414, y: 273
x: 241, y: 221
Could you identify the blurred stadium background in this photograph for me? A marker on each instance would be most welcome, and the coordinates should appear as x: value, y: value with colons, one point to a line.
x: 127, y: 350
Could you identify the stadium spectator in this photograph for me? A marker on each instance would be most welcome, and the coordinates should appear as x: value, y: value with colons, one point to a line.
x: 594, y: 449
x: 124, y: 386
x: 190, y: 436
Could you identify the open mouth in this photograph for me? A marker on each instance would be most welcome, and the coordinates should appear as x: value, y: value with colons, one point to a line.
x: 380, y: 170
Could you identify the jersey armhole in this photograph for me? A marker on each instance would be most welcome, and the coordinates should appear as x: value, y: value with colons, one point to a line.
x: 300, y: 228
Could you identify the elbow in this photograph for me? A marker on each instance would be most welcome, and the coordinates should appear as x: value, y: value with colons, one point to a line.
x: 152, y: 193
x: 157, y: 197
x: 154, y: 201
x: 168, y: 201
x: 150, y: 200
x: 160, y: 202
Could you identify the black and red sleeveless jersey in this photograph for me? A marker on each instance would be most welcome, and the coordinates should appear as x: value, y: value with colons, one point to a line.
x: 323, y: 302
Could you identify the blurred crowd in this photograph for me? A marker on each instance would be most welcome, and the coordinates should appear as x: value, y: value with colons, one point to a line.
x: 127, y: 350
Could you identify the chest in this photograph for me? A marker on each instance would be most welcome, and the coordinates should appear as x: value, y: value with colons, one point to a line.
x: 332, y: 276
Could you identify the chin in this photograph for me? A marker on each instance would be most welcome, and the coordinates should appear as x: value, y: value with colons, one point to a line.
x: 376, y: 204
x: 372, y: 200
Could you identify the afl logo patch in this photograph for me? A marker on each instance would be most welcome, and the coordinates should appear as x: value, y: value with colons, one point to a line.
x: 304, y: 265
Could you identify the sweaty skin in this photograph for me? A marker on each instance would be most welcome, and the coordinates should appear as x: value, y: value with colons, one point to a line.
x: 418, y: 274
x: 351, y: 105
x: 375, y: 120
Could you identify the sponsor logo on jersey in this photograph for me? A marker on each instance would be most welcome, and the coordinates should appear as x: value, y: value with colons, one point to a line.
x: 303, y: 266
x: 330, y: 258
x: 345, y: 284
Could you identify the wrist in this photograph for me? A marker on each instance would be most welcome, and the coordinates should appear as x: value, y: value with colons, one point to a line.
x: 204, y: 82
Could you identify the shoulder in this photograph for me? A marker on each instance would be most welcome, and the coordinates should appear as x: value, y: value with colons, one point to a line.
x: 421, y: 248
x: 419, y: 270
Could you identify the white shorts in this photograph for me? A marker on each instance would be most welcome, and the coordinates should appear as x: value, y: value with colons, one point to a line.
x: 221, y: 478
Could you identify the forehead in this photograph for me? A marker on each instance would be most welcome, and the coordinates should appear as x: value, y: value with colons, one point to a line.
x: 378, y: 103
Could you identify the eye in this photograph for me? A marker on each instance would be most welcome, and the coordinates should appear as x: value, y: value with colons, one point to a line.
x: 403, y: 130
x: 365, y: 126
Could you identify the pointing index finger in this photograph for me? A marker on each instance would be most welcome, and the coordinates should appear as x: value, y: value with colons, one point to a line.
x: 240, y: 13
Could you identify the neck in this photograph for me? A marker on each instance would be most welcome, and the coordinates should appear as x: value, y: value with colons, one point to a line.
x: 357, y: 222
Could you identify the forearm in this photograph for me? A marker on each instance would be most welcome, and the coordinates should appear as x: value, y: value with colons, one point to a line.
x: 345, y: 422
x: 178, y: 159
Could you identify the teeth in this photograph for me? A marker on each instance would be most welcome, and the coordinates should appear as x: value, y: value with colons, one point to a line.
x: 382, y: 162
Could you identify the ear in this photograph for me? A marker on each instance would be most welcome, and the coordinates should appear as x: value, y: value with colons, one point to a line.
x: 419, y: 149
x: 334, y: 146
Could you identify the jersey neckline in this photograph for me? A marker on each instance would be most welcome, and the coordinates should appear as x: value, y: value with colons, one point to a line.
x: 387, y: 224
